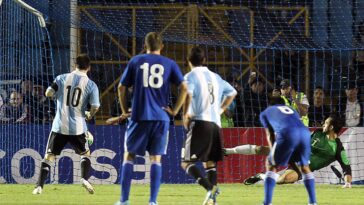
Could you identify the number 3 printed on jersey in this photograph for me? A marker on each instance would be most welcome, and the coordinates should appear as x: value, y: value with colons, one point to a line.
x: 285, y: 110
x: 155, y: 79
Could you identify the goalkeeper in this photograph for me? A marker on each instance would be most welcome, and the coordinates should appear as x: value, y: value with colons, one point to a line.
x: 326, y: 148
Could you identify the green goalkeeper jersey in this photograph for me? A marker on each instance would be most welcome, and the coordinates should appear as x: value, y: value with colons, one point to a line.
x: 325, y: 151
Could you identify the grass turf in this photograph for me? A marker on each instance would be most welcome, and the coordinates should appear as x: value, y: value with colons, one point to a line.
x: 189, y: 194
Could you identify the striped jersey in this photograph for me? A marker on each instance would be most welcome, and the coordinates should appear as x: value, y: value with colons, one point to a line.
x: 207, y: 90
x: 74, y: 91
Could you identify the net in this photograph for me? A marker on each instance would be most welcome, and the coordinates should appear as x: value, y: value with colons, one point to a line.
x: 310, y: 43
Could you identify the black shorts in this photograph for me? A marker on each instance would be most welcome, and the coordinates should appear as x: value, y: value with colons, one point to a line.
x: 203, y: 143
x: 57, y: 141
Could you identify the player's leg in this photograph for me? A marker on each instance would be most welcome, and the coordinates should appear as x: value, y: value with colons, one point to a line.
x: 248, y: 149
x: 269, y: 182
x: 196, y: 148
x: 135, y: 140
x: 157, y: 146
x: 279, y: 156
x: 211, y: 172
x: 55, y: 144
x: 126, y: 176
x: 307, y: 176
x: 155, y: 178
x: 309, y: 181
x: 81, y: 147
x: 45, y: 167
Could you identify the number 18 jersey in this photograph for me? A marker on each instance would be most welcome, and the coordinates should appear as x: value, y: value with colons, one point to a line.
x: 74, y: 91
x: 150, y: 76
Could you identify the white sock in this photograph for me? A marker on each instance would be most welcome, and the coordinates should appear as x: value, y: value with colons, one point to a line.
x: 245, y: 149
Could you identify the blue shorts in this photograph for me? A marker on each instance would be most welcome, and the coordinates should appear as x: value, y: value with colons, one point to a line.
x: 151, y: 136
x: 291, y: 146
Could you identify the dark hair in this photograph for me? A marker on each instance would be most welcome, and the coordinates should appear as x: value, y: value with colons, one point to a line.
x: 276, y: 100
x: 196, y: 56
x: 319, y: 87
x: 336, y: 122
x: 83, y: 61
x: 153, y: 41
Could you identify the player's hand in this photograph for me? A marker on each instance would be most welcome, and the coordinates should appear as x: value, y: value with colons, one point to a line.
x: 346, y: 185
x: 186, y: 121
x: 117, y: 120
x: 88, y: 115
x: 169, y: 111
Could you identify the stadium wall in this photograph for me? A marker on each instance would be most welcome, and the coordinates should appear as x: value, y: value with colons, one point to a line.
x: 19, y: 162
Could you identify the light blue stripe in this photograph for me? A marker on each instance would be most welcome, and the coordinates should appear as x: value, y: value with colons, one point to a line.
x: 72, y: 120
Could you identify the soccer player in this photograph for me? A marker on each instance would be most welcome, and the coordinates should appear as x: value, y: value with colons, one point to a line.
x: 289, y: 140
x: 202, y: 110
x: 150, y: 75
x: 326, y: 148
x: 73, y: 92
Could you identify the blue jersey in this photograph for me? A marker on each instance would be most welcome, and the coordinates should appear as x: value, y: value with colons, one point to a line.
x: 280, y: 118
x: 74, y: 92
x: 150, y: 76
x: 292, y: 137
x: 207, y: 90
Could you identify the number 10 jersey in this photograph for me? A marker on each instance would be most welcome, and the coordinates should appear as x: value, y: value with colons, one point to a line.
x: 73, y: 92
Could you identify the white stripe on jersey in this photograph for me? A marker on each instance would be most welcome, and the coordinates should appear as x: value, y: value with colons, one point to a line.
x: 204, y: 93
x: 64, y: 127
x: 81, y: 127
x: 201, y: 107
x: 217, y: 104
x: 70, y: 120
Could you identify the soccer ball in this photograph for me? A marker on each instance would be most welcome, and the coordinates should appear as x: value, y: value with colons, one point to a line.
x: 89, y: 138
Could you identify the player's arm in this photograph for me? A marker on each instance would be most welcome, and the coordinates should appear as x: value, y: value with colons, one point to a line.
x: 180, y: 100
x: 341, y: 157
x: 186, y: 116
x: 94, y: 102
x: 228, y: 100
x: 230, y: 93
x: 51, y: 90
x: 122, y: 100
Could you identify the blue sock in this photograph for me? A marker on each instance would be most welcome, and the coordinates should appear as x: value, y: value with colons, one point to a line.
x: 309, y: 181
x: 155, y: 181
x: 125, y: 180
x: 269, y: 184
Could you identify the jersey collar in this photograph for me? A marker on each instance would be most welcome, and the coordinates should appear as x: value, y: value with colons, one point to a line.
x: 77, y: 72
x: 200, y: 68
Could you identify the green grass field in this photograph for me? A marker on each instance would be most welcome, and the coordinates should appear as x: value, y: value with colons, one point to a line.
x: 192, y: 194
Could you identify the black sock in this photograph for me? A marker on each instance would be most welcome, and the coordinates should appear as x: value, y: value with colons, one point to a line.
x: 44, y: 170
x: 196, y: 173
x: 212, y: 175
x: 85, y: 167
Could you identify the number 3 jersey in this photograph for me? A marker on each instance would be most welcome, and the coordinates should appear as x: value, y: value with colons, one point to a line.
x: 73, y: 92
x: 150, y: 76
x: 207, y: 90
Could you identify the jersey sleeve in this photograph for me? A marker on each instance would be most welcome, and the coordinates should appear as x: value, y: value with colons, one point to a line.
x: 228, y: 90
x: 176, y: 74
x: 57, y: 83
x: 190, y: 83
x: 264, y: 120
x: 342, y: 158
x: 94, y: 98
x: 128, y: 75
